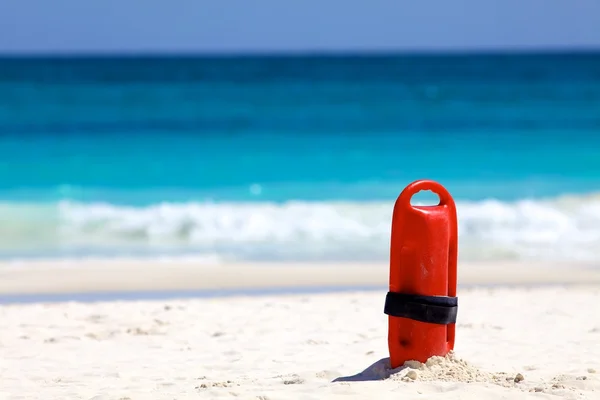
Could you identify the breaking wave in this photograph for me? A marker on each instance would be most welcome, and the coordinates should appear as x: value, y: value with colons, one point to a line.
x: 565, y: 228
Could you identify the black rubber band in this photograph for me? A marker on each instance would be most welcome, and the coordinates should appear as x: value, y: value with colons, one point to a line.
x: 433, y: 309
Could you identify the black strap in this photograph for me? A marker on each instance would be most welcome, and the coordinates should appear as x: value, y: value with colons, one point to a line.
x: 433, y: 309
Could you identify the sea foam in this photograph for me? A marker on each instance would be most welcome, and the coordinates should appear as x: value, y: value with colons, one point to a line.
x: 564, y: 228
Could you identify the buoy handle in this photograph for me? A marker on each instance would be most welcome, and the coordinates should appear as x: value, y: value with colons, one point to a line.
x: 425, y: 184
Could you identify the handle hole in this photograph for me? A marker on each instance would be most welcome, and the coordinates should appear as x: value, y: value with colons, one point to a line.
x: 425, y: 198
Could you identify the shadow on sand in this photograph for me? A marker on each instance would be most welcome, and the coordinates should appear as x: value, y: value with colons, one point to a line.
x: 375, y: 372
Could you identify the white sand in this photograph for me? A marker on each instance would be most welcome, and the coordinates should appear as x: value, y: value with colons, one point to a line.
x: 139, y: 275
x: 290, y: 347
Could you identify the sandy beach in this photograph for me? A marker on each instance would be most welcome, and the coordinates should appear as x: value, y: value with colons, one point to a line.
x: 523, y: 332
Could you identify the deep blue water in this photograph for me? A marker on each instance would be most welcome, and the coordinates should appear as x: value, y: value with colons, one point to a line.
x: 296, y: 157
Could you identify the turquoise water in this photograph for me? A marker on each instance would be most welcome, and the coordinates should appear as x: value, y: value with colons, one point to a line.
x: 296, y: 158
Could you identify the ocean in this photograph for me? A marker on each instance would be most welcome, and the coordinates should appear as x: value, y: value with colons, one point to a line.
x: 296, y: 158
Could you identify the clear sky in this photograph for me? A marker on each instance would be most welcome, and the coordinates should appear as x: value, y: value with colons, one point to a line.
x: 294, y: 25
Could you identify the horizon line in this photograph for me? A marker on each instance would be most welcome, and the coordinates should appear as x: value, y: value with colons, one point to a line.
x: 321, y: 53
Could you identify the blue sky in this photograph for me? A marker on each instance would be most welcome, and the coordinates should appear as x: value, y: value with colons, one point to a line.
x: 294, y: 25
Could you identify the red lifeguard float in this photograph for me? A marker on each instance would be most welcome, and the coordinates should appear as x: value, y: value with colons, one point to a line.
x: 421, y: 303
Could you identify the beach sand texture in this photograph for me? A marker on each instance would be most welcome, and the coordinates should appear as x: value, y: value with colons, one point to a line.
x: 513, y: 342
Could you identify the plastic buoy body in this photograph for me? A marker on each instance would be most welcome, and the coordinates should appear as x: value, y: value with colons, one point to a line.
x: 421, y: 303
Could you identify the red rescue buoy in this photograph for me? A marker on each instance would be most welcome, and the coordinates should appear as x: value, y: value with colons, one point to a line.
x: 421, y: 303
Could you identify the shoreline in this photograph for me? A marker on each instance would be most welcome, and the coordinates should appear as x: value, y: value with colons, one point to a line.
x: 109, y: 330
x: 96, y: 280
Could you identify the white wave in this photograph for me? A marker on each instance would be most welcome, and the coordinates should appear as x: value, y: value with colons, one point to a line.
x: 566, y: 228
